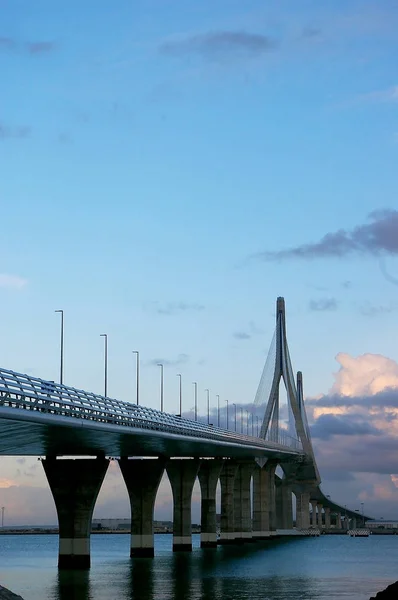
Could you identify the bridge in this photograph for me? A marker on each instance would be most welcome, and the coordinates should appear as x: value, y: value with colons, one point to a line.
x: 54, y: 421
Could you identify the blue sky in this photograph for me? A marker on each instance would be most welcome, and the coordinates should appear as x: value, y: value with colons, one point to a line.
x: 155, y: 154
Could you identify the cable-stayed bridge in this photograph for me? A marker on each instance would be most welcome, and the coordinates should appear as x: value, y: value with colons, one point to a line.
x: 43, y: 418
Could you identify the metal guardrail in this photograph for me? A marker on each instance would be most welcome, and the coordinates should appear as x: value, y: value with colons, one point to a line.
x: 24, y: 392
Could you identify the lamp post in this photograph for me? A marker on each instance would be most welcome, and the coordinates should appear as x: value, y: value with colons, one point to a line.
x: 252, y: 424
x: 247, y: 422
x: 195, y: 385
x: 180, y: 378
x: 161, y: 386
x: 257, y: 419
x: 227, y: 415
x: 218, y: 409
x: 208, y: 406
x: 61, y: 369
x: 234, y: 405
x: 137, y: 375
x: 105, y: 336
x: 241, y: 419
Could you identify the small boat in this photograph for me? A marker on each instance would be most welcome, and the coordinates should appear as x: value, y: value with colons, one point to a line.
x: 358, y: 532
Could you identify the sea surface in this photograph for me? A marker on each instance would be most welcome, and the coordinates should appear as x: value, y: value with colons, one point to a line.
x: 334, y: 567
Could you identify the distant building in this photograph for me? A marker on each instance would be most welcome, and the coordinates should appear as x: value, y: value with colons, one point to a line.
x: 382, y: 524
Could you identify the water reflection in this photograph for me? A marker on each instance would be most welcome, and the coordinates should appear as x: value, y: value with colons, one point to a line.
x: 141, y: 579
x: 73, y: 585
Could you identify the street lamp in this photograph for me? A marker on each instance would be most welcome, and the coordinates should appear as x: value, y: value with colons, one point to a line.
x: 195, y: 384
x: 105, y: 336
x: 208, y: 406
x: 234, y: 405
x: 137, y: 375
x: 161, y: 386
x: 180, y: 378
x: 257, y: 419
x: 241, y: 419
x: 61, y: 373
x: 247, y: 422
x: 218, y: 409
x: 227, y: 415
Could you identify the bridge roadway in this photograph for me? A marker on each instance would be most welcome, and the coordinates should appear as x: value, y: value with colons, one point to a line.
x: 42, y: 418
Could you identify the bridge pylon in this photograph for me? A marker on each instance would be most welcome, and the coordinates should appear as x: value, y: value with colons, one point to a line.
x: 282, y: 371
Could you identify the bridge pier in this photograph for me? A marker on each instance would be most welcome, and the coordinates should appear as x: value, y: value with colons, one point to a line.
x: 227, y: 479
x: 75, y: 485
x: 262, y: 482
x: 338, y: 521
x: 242, y: 502
x: 284, y: 508
x: 209, y: 473
x: 302, y: 510
x: 313, y: 513
x: 142, y: 478
x: 327, y: 517
x: 319, y: 520
x: 182, y: 474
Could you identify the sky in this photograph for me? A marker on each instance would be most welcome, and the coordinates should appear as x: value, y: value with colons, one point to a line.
x: 167, y: 169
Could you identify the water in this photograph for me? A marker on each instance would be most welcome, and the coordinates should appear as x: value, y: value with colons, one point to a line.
x: 324, y: 568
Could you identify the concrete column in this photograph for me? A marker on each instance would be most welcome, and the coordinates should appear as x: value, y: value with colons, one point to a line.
x: 338, y: 520
x: 319, y: 520
x: 75, y: 485
x: 313, y: 515
x: 242, y: 502
x: 287, y: 505
x: 302, y: 510
x: 227, y: 479
x: 209, y: 474
x: 261, y: 502
x: 142, y: 478
x: 327, y: 517
x: 182, y: 474
x: 354, y: 523
x: 271, y: 468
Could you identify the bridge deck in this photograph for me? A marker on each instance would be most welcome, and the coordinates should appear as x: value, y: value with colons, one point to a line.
x: 39, y: 417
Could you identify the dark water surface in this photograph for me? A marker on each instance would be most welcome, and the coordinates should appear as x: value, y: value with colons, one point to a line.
x: 324, y: 568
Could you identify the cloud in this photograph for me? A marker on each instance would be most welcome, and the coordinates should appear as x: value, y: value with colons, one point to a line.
x: 219, y: 45
x: 328, y: 425
x: 370, y: 310
x: 242, y: 335
x: 175, y: 308
x: 310, y: 33
x: 12, y: 281
x: 40, y: 47
x: 323, y: 304
x: 18, y: 132
x: 386, y: 95
x: 181, y: 359
x: 253, y: 330
x: 378, y: 237
x: 6, y: 43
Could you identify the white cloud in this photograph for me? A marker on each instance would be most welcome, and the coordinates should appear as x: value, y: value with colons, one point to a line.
x: 367, y: 374
x: 13, y: 282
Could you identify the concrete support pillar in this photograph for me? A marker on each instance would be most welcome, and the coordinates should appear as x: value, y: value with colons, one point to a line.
x: 313, y: 514
x: 142, y: 478
x: 302, y: 510
x: 271, y: 467
x: 354, y: 523
x: 338, y: 520
x: 209, y: 474
x: 319, y: 520
x: 261, y: 502
x: 327, y: 517
x: 75, y: 485
x: 182, y: 474
x: 242, y: 502
x: 287, y: 505
x: 227, y: 480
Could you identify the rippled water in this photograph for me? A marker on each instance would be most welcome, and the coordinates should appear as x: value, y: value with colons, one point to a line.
x: 328, y: 567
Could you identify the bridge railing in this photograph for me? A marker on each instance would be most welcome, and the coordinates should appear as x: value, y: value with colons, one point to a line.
x: 28, y: 393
